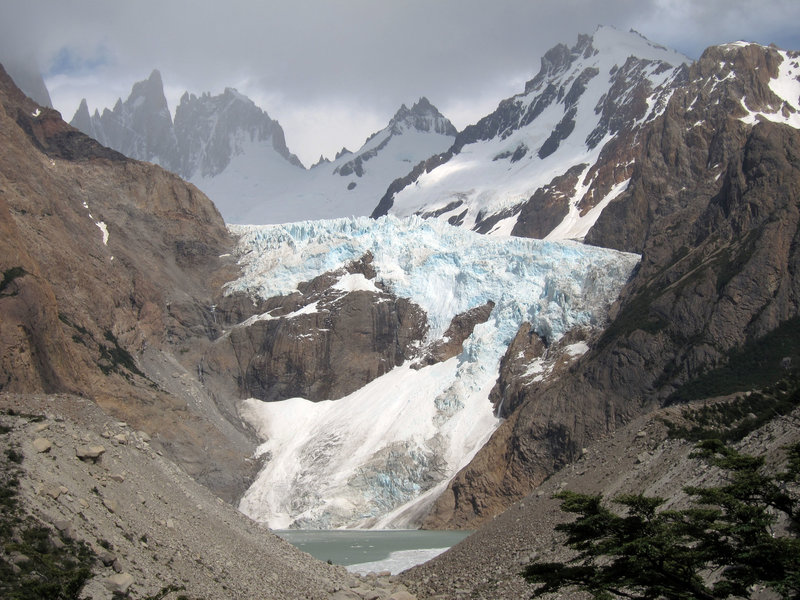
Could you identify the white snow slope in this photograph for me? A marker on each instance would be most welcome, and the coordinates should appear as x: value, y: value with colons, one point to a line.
x: 482, y: 177
x: 375, y: 457
x: 786, y: 86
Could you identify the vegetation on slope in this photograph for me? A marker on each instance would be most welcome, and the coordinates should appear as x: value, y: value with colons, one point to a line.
x: 36, y: 562
x: 743, y: 531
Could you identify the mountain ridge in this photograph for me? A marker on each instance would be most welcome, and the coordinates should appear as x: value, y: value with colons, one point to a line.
x: 712, y: 205
x: 582, y: 99
x: 237, y: 154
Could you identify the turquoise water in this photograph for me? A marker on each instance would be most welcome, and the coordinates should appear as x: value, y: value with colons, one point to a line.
x: 378, y: 550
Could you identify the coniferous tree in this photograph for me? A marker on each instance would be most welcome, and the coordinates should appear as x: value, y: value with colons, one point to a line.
x: 731, y: 537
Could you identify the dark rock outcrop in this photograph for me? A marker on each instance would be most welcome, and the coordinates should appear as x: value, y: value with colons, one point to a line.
x: 461, y: 327
x: 548, y: 206
x: 320, y: 343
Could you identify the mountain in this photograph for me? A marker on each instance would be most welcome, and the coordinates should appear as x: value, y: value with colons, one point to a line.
x: 469, y: 369
x: 208, y: 131
x: 237, y: 154
x: 28, y: 77
x: 109, y: 266
x: 712, y: 207
x: 195, y: 333
x: 140, y: 127
x: 538, y: 165
x: 252, y: 190
x: 213, y: 130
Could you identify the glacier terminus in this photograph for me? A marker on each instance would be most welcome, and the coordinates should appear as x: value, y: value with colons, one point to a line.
x: 380, y: 455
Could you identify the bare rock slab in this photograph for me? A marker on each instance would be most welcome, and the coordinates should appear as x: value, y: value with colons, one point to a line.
x: 90, y: 453
x: 119, y: 582
x: 41, y: 444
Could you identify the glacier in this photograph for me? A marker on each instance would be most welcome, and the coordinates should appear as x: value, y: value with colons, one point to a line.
x: 379, y: 456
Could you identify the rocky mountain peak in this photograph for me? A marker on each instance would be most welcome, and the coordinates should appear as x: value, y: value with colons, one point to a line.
x: 712, y: 207
x: 28, y: 77
x: 212, y: 130
x: 146, y: 113
x: 585, y: 96
x: 207, y: 133
x: 151, y: 89
x: 554, y: 61
x: 422, y: 116
x: 82, y: 119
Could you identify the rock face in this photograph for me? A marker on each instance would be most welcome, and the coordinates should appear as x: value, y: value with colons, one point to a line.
x: 28, y: 77
x: 422, y: 117
x: 207, y: 133
x: 320, y: 343
x: 211, y: 130
x: 145, y: 112
x: 713, y: 208
x: 461, y: 327
x: 109, y: 267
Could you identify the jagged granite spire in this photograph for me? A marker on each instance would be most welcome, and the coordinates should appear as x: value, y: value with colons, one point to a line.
x: 140, y: 127
x: 211, y: 130
x: 422, y: 116
x: 28, y: 77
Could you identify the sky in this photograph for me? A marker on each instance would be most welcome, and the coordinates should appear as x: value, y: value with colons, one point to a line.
x: 334, y: 71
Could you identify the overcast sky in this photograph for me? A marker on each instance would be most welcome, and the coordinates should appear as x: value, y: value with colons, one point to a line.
x: 334, y: 71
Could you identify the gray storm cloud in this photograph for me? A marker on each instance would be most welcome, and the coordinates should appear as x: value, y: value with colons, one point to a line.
x: 355, y: 60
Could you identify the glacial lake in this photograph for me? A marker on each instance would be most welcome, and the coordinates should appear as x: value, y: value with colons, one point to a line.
x: 365, y: 550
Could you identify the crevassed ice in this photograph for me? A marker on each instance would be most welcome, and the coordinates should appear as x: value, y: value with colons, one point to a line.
x: 446, y: 270
x: 376, y: 456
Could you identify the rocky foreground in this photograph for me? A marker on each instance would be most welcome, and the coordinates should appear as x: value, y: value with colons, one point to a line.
x: 153, y: 530
x: 150, y: 526
x: 639, y: 458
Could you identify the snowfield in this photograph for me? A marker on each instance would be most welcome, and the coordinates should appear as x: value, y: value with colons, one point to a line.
x: 377, y: 457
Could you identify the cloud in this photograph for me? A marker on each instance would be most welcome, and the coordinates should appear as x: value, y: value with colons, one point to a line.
x: 331, y: 69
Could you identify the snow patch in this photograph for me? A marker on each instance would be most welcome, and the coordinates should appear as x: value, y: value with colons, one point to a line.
x: 577, y: 349
x: 355, y: 282
x: 574, y: 226
x: 104, y: 229
x: 397, y: 562
x: 785, y: 86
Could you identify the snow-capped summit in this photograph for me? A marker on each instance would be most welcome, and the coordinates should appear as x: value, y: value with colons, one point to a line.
x: 212, y: 130
x: 422, y: 116
x: 425, y: 128
x: 547, y: 139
